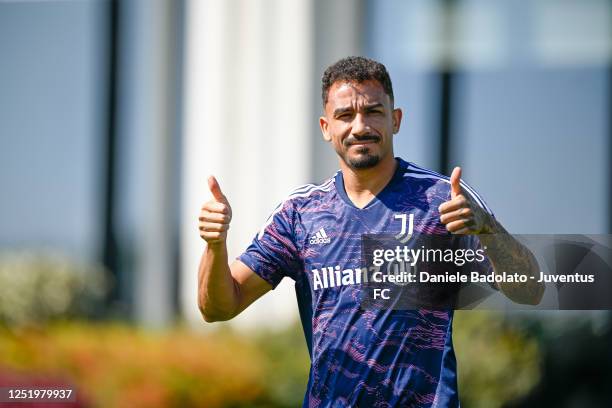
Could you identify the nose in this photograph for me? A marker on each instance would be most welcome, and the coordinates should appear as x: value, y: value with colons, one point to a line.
x: 360, y: 126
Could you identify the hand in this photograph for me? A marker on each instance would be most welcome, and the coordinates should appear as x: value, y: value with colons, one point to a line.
x: 461, y: 214
x: 215, y: 215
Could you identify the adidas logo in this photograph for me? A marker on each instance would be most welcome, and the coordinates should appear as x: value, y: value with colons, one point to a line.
x: 320, y: 238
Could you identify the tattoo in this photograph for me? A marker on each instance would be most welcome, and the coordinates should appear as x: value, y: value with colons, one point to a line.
x: 510, y: 256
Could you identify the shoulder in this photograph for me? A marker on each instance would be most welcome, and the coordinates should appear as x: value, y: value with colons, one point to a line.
x: 412, y: 171
x: 440, y: 182
x: 297, y: 199
x: 308, y: 192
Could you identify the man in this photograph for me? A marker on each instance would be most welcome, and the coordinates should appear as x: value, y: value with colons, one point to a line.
x: 364, y: 358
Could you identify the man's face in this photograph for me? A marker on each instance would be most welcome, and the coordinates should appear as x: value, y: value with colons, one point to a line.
x: 359, y: 122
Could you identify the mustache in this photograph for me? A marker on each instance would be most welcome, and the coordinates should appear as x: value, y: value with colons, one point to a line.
x: 360, y: 139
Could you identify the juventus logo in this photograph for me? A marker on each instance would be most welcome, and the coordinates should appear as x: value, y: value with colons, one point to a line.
x: 407, y: 227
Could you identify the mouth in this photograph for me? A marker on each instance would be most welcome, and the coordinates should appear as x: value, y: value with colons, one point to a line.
x: 362, y: 142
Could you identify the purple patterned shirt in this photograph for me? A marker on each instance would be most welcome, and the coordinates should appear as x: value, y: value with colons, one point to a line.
x: 361, y: 358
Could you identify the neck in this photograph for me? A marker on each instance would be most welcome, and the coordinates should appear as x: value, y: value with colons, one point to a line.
x: 362, y: 185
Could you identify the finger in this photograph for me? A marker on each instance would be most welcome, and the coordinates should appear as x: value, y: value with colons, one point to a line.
x: 458, y: 202
x: 463, y: 212
x: 463, y: 231
x: 214, y: 217
x: 210, y: 236
x: 215, y: 189
x: 216, y: 207
x: 212, y: 227
x: 459, y: 224
x: 455, y: 180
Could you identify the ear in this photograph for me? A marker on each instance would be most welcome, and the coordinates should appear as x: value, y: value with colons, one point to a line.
x: 324, y: 124
x: 397, y: 120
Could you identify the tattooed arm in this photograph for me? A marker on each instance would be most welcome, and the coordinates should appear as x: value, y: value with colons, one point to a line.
x: 462, y: 215
x: 509, y: 255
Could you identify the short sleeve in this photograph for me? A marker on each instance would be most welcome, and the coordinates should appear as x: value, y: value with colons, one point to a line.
x: 476, y: 197
x: 273, y: 254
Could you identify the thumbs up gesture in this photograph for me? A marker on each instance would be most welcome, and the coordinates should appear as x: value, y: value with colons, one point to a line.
x: 215, y: 215
x: 461, y: 215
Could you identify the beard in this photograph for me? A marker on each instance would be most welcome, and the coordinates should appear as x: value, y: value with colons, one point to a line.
x: 364, y: 160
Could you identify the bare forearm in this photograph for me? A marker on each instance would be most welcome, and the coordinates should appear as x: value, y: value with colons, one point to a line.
x: 462, y: 215
x: 510, y: 256
x: 218, y: 294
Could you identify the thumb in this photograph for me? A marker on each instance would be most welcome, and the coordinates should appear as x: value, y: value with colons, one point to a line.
x: 455, y: 180
x: 215, y: 189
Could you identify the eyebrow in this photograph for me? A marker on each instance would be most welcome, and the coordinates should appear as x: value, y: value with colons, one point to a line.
x: 370, y: 107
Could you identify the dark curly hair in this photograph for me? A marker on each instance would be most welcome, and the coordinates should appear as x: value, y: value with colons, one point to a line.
x: 355, y: 69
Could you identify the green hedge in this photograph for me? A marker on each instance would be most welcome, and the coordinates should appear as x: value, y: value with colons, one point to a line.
x: 120, y: 366
x: 116, y: 365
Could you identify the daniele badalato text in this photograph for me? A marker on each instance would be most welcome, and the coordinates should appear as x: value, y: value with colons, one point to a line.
x: 400, y: 266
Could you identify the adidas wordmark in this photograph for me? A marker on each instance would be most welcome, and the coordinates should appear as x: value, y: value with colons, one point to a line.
x: 320, y: 238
